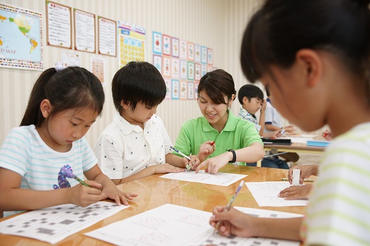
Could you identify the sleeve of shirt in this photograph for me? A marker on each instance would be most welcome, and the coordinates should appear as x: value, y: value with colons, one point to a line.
x: 251, y: 135
x: 89, y: 159
x: 166, y: 138
x: 341, y: 196
x: 14, y: 152
x: 269, y: 115
x: 110, y: 155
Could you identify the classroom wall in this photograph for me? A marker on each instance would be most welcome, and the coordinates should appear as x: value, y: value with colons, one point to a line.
x: 217, y: 24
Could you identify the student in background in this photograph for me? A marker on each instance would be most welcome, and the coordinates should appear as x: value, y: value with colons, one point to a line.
x: 311, y: 55
x: 136, y: 144
x: 251, y: 100
x: 40, y: 159
x: 273, y: 118
x: 218, y: 135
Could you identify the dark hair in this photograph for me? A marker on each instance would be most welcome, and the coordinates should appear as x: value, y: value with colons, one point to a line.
x: 282, y: 27
x: 217, y: 84
x: 72, y: 87
x: 249, y: 91
x: 138, y: 82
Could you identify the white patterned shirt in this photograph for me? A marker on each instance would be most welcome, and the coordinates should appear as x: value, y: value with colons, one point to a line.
x: 124, y: 149
x: 244, y: 114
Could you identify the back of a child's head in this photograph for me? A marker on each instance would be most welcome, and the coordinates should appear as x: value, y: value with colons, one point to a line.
x: 217, y: 84
x: 68, y: 88
x: 249, y: 91
x: 138, y: 82
x: 281, y: 28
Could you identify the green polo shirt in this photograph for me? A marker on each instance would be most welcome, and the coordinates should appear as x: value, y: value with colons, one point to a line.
x: 237, y: 134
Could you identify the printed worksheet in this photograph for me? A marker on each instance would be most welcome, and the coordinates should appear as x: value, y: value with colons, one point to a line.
x: 173, y: 225
x: 223, y: 179
x: 266, y: 194
x: 53, y: 224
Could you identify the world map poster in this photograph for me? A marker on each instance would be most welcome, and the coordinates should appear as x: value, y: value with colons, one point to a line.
x: 20, y: 38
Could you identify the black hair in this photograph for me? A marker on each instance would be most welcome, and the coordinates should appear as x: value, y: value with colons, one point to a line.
x: 217, y: 84
x: 282, y: 27
x: 249, y: 91
x: 138, y: 82
x: 71, y: 87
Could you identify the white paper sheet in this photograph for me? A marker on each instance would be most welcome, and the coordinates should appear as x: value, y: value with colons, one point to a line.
x: 53, y: 224
x: 173, y: 225
x: 223, y: 179
x: 266, y: 194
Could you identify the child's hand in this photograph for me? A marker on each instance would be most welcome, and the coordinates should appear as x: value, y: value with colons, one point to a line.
x: 206, y: 149
x: 112, y: 192
x: 263, y: 106
x: 193, y: 163
x: 289, y: 128
x: 296, y: 192
x: 84, y: 196
x: 306, y: 171
x: 232, y: 222
x: 167, y: 168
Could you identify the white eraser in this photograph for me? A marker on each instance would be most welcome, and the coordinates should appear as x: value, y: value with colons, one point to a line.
x: 296, y: 176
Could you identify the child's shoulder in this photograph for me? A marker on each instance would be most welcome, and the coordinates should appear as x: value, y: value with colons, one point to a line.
x: 25, y: 131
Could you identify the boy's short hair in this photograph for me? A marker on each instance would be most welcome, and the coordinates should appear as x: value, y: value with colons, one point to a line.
x: 138, y: 82
x: 250, y: 91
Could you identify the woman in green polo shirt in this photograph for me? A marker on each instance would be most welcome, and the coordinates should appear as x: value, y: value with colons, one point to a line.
x: 218, y: 137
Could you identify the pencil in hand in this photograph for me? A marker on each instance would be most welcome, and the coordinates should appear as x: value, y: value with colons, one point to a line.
x: 229, y: 204
x: 188, y: 166
x: 81, y: 181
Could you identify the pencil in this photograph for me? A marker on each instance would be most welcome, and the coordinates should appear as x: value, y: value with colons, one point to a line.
x: 229, y: 204
x: 81, y: 181
x: 304, y: 180
x: 188, y: 166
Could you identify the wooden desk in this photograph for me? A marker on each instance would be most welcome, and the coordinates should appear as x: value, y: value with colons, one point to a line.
x: 155, y: 191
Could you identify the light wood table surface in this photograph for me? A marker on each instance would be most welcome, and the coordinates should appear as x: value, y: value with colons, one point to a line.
x: 154, y: 191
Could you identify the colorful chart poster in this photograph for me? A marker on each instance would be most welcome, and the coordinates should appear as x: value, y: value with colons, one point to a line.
x: 168, y: 88
x: 107, y: 37
x: 190, y: 90
x: 84, y: 31
x: 20, y: 38
x: 175, y: 89
x: 166, y: 45
x: 184, y: 90
x: 183, y: 69
x: 175, y: 68
x: 210, y: 56
x: 157, y: 62
x: 183, y: 49
x: 166, y: 66
x: 175, y: 47
x: 98, y: 68
x: 157, y: 43
x: 197, y: 72
x: 203, y: 54
x: 58, y: 25
x: 132, y: 44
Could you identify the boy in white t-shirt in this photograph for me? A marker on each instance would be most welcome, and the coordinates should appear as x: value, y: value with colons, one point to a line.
x: 136, y: 144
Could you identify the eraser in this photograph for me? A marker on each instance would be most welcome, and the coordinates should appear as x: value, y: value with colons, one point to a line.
x: 296, y: 176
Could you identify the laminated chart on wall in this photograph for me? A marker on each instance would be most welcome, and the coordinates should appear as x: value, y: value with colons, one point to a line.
x: 131, y: 43
x: 20, y: 38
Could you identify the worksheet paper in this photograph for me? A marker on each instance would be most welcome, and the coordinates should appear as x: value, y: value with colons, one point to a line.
x: 222, y: 179
x: 53, y: 224
x: 173, y: 225
x: 266, y: 194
